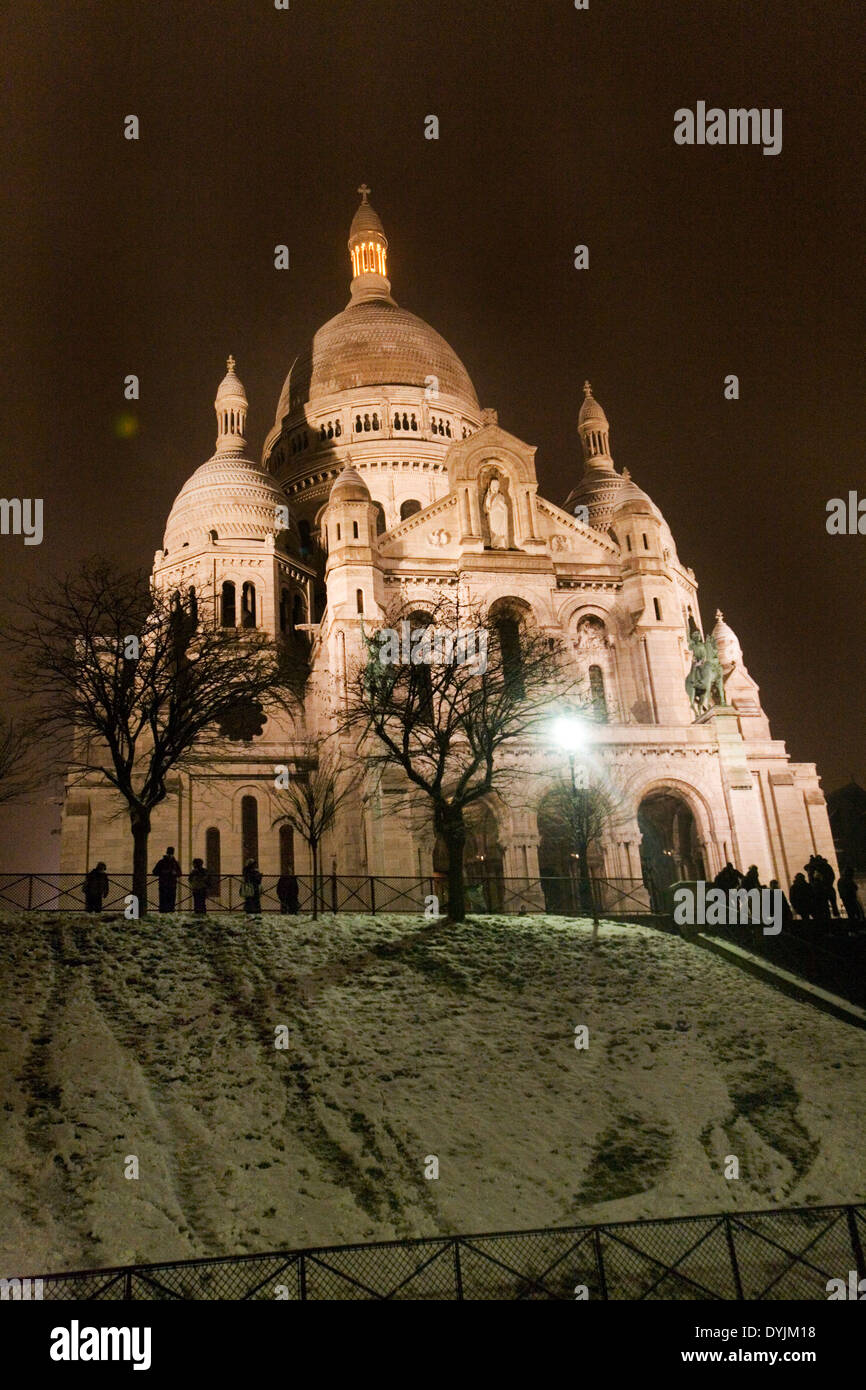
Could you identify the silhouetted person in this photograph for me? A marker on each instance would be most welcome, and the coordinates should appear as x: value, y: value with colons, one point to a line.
x: 802, y: 897
x: 251, y: 883
x: 728, y: 878
x: 823, y: 894
x: 751, y: 878
x: 787, y: 915
x: 199, y: 880
x: 95, y: 888
x: 167, y: 871
x: 849, y: 895
x: 288, y: 892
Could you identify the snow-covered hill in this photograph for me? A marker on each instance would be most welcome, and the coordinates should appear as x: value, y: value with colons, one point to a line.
x: 406, y: 1040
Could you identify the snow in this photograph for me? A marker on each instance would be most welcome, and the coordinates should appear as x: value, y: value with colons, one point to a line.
x: 406, y: 1039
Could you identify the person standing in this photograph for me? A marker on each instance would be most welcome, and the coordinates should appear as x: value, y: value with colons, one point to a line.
x: 199, y: 880
x: 288, y: 893
x: 167, y: 871
x: 802, y: 898
x: 96, y: 887
x: 847, y: 886
x: 251, y: 883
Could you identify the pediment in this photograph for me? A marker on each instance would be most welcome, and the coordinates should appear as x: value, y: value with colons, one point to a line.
x: 490, y: 445
x: 568, y: 539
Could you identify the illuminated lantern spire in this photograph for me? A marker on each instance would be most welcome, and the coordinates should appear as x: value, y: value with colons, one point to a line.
x: 231, y: 412
x: 594, y: 431
x: 368, y: 249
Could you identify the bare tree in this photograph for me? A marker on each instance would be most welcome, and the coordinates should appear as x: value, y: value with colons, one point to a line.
x: 311, y: 801
x: 137, y: 681
x: 577, y: 811
x: 18, y: 771
x: 422, y: 702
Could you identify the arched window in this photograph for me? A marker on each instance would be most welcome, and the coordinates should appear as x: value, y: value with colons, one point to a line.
x: 304, y: 533
x: 366, y: 424
x: 354, y: 530
x: 421, y: 677
x: 284, y: 610
x: 359, y: 599
x: 212, y: 858
x: 658, y: 609
x: 338, y: 429
x: 287, y: 849
x: 414, y: 423
x: 381, y: 524
x: 359, y: 425
x: 397, y: 425
x: 596, y: 694
x: 375, y: 422
x: 338, y: 531
x: 409, y: 508
x: 299, y: 610
x: 248, y: 605
x: 508, y: 635
x: 227, y: 605
x: 249, y: 829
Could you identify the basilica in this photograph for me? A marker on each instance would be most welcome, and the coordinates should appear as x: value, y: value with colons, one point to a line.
x: 382, y: 480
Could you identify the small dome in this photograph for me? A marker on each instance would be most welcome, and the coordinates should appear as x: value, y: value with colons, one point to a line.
x: 591, y: 412
x: 349, y: 487
x: 366, y: 219
x: 231, y: 385
x: 229, y: 495
x: 727, y: 642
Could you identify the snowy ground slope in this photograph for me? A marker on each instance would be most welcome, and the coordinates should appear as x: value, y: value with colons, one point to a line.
x: 406, y: 1039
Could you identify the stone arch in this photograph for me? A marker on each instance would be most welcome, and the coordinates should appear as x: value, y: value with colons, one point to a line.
x: 677, y: 841
x: 483, y: 856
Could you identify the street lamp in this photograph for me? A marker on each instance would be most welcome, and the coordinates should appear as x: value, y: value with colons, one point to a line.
x: 570, y: 733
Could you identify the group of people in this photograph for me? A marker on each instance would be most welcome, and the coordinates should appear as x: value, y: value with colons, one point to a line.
x: 813, y: 892
x: 167, y: 872
x: 814, y: 896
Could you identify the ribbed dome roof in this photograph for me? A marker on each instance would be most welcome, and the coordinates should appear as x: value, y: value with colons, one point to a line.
x: 374, y: 343
x: 727, y: 642
x: 604, y: 492
x: 230, y: 495
x: 366, y: 220
x: 349, y: 487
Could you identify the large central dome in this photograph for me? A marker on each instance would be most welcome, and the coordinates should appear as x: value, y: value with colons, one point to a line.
x: 375, y: 343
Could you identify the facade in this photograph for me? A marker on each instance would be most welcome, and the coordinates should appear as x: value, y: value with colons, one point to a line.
x: 382, y: 480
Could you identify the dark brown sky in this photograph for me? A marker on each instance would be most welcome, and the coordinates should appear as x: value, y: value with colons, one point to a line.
x: 257, y: 125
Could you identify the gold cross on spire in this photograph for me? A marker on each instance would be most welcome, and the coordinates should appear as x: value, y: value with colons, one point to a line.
x: 587, y: 389
x: 230, y: 363
x: 364, y: 190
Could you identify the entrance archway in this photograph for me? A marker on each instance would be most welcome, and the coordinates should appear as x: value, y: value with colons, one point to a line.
x: 670, y: 849
x: 558, y: 863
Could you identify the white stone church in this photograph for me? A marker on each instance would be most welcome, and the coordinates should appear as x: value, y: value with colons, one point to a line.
x: 397, y: 482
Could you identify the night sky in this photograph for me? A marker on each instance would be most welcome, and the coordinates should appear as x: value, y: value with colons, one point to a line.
x: 556, y: 128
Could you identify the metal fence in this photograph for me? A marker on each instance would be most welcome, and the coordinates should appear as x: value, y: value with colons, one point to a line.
x: 364, y: 893
x: 779, y: 1254
x: 833, y: 958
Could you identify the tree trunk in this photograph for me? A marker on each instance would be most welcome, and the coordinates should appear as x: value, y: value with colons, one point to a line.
x: 454, y: 834
x: 140, y: 823
x: 314, y: 849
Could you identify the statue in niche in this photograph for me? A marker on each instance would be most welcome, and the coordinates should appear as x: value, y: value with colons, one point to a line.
x: 496, y: 509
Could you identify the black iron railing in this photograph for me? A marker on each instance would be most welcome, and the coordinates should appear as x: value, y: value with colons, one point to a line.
x: 364, y: 893
x: 788, y: 1253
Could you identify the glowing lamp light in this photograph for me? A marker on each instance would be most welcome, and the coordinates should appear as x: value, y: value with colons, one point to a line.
x: 569, y: 733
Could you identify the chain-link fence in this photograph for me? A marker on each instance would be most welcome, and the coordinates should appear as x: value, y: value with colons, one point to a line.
x: 783, y: 1254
